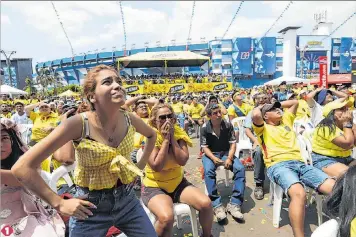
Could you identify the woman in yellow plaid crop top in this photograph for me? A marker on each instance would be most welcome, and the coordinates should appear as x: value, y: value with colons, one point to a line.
x: 164, y: 183
x: 103, y: 139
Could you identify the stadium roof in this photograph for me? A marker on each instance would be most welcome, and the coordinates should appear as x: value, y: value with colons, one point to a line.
x: 163, y: 59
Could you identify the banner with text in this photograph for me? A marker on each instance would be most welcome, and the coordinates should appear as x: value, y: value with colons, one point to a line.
x: 323, y: 70
x: 178, y: 88
x: 242, y: 56
x: 345, y: 55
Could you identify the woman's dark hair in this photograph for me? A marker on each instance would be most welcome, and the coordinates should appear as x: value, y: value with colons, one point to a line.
x: 15, y: 153
x: 329, y: 122
x: 341, y: 203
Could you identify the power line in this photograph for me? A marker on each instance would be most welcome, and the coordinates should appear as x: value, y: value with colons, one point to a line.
x: 123, y: 24
x: 343, y: 23
x: 64, y: 31
x: 233, y: 19
x: 191, y: 22
x: 280, y: 16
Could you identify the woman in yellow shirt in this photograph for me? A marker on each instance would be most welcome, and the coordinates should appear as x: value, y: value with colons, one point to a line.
x: 164, y: 183
x: 333, y: 139
x: 341, y: 203
x: 103, y: 140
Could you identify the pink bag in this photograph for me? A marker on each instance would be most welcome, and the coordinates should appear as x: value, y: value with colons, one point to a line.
x: 40, y: 219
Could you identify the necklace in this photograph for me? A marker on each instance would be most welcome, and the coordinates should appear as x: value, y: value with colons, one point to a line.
x: 110, y: 138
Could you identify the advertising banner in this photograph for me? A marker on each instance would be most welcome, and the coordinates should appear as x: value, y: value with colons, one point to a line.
x: 323, y: 76
x: 314, y: 43
x: 308, y: 66
x: 265, y: 56
x: 345, y: 55
x: 134, y: 89
x: 184, y: 87
x: 7, y: 76
x: 353, y: 72
x: 242, y: 56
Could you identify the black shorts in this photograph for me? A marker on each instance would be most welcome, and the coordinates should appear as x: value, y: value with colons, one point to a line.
x: 148, y: 193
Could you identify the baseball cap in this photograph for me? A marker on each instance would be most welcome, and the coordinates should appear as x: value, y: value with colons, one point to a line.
x: 268, y: 107
x: 335, y: 105
x: 283, y: 83
x: 322, y: 96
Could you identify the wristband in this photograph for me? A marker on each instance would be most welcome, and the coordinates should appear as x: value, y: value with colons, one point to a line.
x: 348, y: 125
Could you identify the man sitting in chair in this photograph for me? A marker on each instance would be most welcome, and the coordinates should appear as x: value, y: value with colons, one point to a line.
x: 219, y: 145
x: 282, y: 157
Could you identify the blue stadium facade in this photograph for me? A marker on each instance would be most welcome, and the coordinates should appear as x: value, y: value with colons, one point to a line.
x: 248, y: 61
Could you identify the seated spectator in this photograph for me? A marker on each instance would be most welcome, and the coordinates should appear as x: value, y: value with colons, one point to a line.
x: 164, y: 183
x: 14, y: 211
x: 44, y: 121
x: 333, y: 139
x: 219, y: 145
x: 194, y: 116
x: 238, y: 108
x: 341, y: 203
x: 282, y: 157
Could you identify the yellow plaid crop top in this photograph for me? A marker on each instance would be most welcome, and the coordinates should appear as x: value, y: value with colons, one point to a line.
x: 99, y: 166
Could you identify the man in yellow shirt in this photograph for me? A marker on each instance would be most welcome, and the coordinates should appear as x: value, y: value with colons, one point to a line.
x: 194, y: 115
x: 178, y: 110
x: 238, y: 108
x: 44, y: 121
x: 282, y: 156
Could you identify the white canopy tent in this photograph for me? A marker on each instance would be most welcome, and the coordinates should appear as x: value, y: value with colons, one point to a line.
x: 163, y: 59
x: 288, y: 79
x: 5, y: 89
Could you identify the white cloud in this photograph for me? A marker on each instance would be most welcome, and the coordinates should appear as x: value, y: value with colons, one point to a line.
x: 5, y: 20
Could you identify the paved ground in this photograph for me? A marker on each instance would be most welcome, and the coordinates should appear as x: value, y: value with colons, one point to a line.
x: 258, y: 214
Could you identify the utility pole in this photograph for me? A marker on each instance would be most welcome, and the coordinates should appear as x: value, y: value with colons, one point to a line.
x: 8, y: 62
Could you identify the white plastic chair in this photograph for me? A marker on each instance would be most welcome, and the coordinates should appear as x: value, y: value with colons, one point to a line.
x: 226, y: 176
x: 25, y: 131
x: 328, y: 229
x: 276, y: 192
x: 179, y: 209
x: 244, y: 142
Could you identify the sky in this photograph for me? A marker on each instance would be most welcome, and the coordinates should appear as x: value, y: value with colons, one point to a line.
x: 32, y: 29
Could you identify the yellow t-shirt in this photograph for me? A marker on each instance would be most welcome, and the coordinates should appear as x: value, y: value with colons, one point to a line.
x: 139, y: 138
x: 322, y: 143
x: 303, y: 110
x: 25, y: 102
x: 177, y: 108
x: 186, y: 108
x: 33, y: 101
x: 8, y: 115
x: 40, y: 122
x: 353, y: 228
x: 7, y: 102
x: 172, y: 173
x: 245, y: 108
x: 194, y: 111
x: 278, y: 143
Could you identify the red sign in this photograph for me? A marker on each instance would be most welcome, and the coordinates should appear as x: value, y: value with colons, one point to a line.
x: 323, y: 71
x: 7, y: 230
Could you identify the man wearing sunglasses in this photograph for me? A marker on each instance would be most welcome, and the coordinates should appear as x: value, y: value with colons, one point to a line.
x: 218, y: 142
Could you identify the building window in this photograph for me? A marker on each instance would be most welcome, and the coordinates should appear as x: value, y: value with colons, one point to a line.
x: 335, y: 65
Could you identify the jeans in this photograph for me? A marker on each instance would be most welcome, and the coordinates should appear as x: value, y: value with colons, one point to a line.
x: 321, y: 161
x: 117, y: 207
x: 287, y: 173
x: 181, y: 118
x: 239, y: 179
x: 259, y: 170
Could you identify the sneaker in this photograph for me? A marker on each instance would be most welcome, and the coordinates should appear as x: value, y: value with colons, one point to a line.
x: 258, y: 193
x: 235, y: 211
x: 220, y: 213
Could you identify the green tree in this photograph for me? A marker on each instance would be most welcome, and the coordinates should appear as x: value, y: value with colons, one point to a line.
x: 30, y: 86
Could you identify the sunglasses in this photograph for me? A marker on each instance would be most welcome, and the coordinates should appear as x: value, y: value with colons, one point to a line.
x: 165, y: 116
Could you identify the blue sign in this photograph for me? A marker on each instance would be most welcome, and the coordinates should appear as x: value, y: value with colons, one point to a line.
x: 345, y: 55
x: 308, y: 67
x: 242, y: 56
x: 265, y: 56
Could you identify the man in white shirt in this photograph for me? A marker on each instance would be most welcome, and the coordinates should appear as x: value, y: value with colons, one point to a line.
x: 20, y: 117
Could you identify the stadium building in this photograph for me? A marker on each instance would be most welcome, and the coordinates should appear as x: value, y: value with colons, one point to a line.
x: 247, y: 61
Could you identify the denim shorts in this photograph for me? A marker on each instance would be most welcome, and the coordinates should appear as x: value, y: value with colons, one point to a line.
x: 287, y: 173
x: 321, y: 161
x: 117, y: 207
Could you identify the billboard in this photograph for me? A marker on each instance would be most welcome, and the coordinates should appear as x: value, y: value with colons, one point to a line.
x: 353, y: 72
x: 242, y: 56
x: 323, y: 73
x: 345, y: 55
x: 308, y: 66
x: 314, y: 43
x: 265, y: 56
x: 7, y: 76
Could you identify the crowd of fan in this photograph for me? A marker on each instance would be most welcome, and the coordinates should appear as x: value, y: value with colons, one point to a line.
x: 274, y: 118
